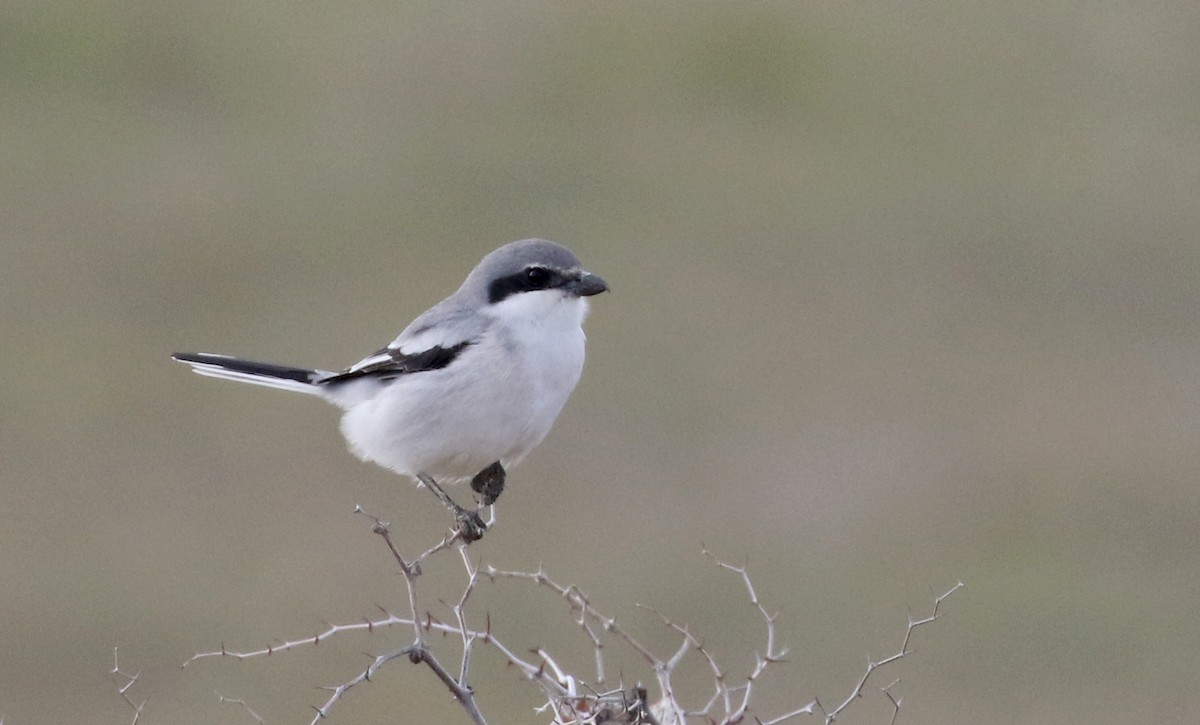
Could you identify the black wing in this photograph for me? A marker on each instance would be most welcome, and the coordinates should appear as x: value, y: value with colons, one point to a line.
x: 389, y: 363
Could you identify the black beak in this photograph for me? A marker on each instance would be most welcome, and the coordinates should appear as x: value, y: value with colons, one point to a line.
x: 587, y: 285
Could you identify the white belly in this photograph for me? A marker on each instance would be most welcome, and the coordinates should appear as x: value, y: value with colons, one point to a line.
x: 454, y: 422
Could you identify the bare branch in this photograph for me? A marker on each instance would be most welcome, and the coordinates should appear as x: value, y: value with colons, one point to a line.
x: 873, y: 665
x: 763, y: 661
x: 124, y: 682
x: 576, y: 599
x: 410, y: 571
x: 569, y: 698
x: 416, y: 654
x: 241, y: 702
x: 460, y: 613
x: 369, y: 625
x: 887, y: 690
x: 720, y: 691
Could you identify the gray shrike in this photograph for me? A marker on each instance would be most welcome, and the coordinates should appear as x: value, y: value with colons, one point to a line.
x: 470, y: 387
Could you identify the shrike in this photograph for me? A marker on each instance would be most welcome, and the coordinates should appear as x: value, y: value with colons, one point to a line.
x: 470, y: 387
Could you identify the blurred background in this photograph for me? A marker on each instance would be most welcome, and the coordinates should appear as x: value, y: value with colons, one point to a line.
x: 902, y: 294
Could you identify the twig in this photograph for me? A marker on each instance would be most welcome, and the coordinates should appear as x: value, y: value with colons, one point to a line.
x: 576, y: 599
x: 761, y: 662
x: 873, y: 665
x: 416, y: 654
x: 369, y: 625
x: 124, y: 681
x: 244, y: 705
x: 571, y: 699
x: 409, y: 571
x: 720, y: 691
x: 893, y: 699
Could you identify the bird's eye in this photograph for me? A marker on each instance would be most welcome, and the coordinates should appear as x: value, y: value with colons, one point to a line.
x: 537, y: 275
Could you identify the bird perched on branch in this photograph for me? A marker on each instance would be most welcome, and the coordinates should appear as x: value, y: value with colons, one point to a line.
x: 470, y: 387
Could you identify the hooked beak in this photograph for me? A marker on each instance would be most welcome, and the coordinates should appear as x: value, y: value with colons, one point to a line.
x: 587, y: 285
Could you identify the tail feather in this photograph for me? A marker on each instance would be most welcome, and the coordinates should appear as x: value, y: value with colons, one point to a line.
x: 224, y: 367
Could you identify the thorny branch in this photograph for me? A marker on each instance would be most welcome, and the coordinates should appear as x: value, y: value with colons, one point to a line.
x: 887, y: 691
x: 570, y: 698
x: 245, y: 706
x: 124, y: 682
x: 873, y: 665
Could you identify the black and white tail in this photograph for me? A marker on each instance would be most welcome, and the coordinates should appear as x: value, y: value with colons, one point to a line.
x: 300, y: 380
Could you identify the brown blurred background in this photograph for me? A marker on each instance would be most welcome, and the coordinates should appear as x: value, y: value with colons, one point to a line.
x: 903, y: 293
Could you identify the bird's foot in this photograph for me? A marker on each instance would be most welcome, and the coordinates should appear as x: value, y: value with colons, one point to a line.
x: 489, y: 483
x: 469, y: 525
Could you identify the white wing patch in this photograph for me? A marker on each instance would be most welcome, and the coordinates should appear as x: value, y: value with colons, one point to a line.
x: 380, y: 357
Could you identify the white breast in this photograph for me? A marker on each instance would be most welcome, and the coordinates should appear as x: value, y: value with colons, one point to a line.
x: 496, y: 402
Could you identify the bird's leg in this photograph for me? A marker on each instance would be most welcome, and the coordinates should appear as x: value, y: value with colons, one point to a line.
x: 470, y: 525
x: 489, y: 483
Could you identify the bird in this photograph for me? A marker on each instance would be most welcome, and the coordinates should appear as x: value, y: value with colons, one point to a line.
x: 469, y: 387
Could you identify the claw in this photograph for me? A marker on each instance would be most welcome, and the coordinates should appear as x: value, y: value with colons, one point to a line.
x: 470, y: 525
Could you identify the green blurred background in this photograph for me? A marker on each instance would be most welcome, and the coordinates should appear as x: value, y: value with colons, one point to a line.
x: 903, y: 293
